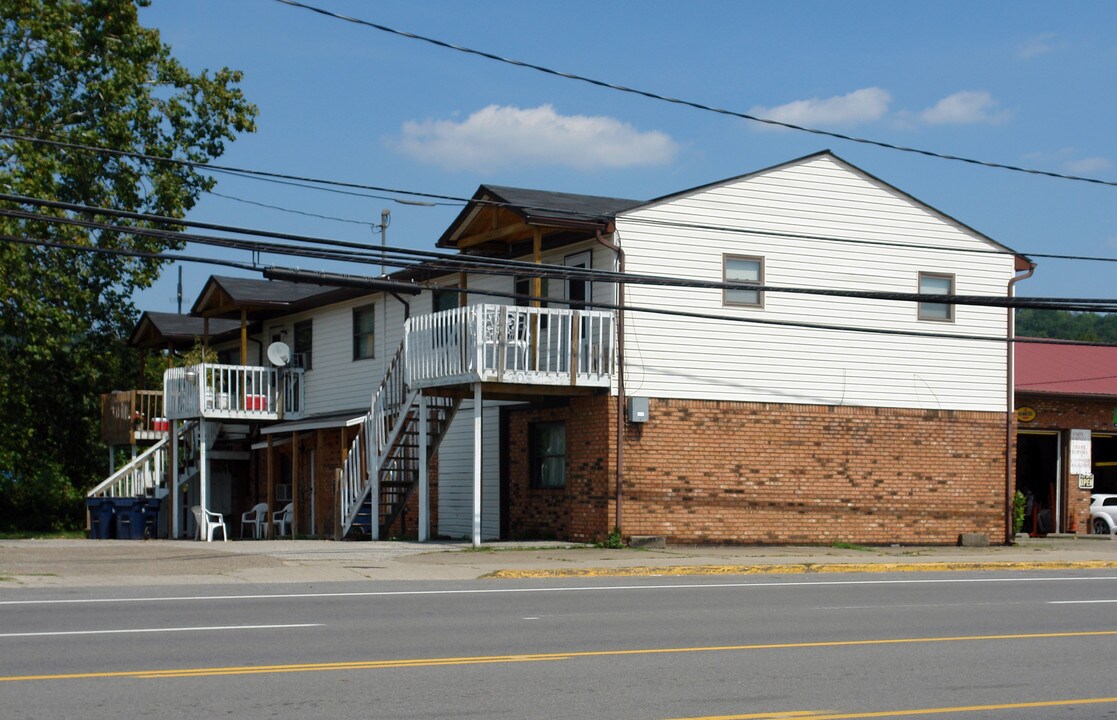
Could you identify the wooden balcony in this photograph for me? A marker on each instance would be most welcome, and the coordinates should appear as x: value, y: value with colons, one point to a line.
x: 233, y: 392
x: 131, y: 417
x: 558, y: 348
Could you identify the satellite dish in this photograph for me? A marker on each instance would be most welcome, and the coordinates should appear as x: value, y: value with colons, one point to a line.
x: 279, y: 354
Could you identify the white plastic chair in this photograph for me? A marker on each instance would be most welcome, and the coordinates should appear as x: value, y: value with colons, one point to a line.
x: 254, y: 518
x: 207, y: 522
x: 282, y: 520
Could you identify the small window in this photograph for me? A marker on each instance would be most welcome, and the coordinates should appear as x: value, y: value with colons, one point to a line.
x: 364, y: 332
x: 578, y: 291
x: 750, y: 270
x: 936, y: 284
x: 443, y: 300
x: 304, y: 343
x: 547, y: 450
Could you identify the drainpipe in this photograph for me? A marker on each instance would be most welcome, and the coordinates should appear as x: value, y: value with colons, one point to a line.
x: 1010, y: 468
x: 612, y: 245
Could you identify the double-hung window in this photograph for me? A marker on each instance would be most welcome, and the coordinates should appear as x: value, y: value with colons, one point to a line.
x: 364, y: 332
x: 746, y: 270
x: 547, y: 454
x: 304, y: 343
x: 936, y: 284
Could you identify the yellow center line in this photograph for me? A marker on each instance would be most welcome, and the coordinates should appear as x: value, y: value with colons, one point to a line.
x: 822, y: 715
x: 533, y: 657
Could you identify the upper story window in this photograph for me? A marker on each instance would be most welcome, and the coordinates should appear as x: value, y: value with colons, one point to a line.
x: 364, y: 332
x: 744, y: 269
x: 936, y: 284
x: 443, y: 300
x: 304, y: 343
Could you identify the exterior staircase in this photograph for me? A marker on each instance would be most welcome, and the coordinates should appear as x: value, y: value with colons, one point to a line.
x: 381, y: 470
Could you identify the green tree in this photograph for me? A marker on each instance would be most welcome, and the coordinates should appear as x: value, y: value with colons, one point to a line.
x: 85, y: 72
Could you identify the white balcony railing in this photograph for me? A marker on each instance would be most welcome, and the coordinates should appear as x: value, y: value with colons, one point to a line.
x: 501, y: 343
x: 233, y: 392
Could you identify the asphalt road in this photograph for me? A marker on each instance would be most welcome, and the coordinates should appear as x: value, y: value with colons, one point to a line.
x: 958, y: 645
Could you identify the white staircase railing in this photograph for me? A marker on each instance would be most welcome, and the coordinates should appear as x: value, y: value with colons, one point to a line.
x: 379, y: 430
x: 143, y: 474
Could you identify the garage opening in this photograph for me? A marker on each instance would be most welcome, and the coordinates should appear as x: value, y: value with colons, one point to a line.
x: 1104, y: 455
x: 1038, y: 461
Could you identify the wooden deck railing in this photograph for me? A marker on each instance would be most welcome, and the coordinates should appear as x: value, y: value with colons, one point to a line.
x: 506, y: 344
x: 128, y: 416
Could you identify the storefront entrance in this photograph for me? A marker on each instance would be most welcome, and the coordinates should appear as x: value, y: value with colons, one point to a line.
x: 1038, y: 469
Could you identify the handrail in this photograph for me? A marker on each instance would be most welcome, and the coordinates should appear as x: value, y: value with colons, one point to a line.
x: 143, y: 473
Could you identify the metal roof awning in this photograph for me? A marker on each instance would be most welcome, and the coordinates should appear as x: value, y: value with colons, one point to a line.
x: 317, y: 422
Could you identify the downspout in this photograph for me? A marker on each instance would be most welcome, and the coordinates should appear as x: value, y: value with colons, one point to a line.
x: 620, y: 369
x: 1010, y: 414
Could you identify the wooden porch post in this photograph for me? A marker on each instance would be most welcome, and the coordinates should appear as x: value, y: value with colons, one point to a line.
x: 463, y: 283
x: 424, y: 479
x: 477, y: 414
x: 244, y: 337
x: 537, y: 258
x: 269, y: 530
x: 296, y: 460
x: 320, y: 458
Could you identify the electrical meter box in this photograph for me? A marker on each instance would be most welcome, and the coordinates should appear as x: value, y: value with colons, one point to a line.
x: 638, y: 409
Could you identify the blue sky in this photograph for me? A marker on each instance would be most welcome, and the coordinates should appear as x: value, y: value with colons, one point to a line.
x: 1020, y: 83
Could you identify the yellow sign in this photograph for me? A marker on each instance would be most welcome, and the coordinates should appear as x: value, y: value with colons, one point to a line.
x: 1025, y: 414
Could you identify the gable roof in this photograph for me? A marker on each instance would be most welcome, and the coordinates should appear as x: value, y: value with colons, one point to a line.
x: 1057, y: 369
x: 536, y: 207
x: 227, y: 296
x: 853, y: 168
x: 158, y: 329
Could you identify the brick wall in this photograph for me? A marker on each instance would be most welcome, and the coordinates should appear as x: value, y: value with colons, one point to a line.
x: 582, y: 510
x: 768, y: 473
x: 723, y: 472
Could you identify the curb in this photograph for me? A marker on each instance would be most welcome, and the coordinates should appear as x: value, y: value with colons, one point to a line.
x: 802, y: 568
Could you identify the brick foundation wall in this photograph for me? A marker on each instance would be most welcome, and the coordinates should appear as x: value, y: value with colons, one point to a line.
x: 723, y: 472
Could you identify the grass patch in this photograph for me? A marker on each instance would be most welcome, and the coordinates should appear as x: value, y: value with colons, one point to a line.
x: 850, y: 546
x: 43, y: 535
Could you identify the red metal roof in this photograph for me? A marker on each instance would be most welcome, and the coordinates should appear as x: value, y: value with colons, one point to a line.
x: 1066, y: 369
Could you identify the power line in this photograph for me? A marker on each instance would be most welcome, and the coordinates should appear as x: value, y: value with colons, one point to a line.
x: 306, y: 183
x: 292, y: 211
x: 464, y: 263
x: 609, y: 306
x: 691, y: 103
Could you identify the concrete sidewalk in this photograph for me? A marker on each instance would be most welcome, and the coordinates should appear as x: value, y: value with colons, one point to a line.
x: 78, y: 563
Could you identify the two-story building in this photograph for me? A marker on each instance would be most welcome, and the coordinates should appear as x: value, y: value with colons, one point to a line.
x: 740, y: 365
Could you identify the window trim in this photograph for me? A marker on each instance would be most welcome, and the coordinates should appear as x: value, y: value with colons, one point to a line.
x: 950, y: 313
x: 370, y: 308
x: 535, y: 467
x: 725, y: 300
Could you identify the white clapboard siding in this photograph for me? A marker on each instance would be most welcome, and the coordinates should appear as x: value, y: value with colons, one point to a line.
x: 455, y: 474
x: 683, y: 357
x: 336, y: 382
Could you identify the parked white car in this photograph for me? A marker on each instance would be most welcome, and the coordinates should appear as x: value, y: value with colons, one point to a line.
x: 1103, y: 514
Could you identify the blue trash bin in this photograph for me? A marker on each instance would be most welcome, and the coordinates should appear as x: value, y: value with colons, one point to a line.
x: 101, y: 518
x: 129, y: 518
x: 149, y: 509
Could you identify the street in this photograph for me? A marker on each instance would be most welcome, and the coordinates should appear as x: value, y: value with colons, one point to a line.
x: 973, y: 645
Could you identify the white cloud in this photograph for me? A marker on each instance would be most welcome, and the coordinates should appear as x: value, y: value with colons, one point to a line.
x: 963, y: 108
x: 1088, y: 165
x: 1034, y: 47
x: 860, y: 106
x: 501, y: 136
